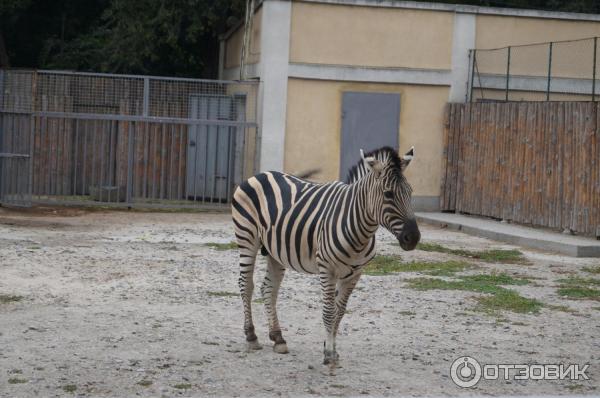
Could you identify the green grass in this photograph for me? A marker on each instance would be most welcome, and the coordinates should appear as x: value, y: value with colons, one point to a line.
x: 561, y: 308
x: 592, y: 270
x: 16, y: 380
x: 473, y: 283
x: 182, y: 386
x: 492, y: 256
x: 579, y: 292
x: 498, y: 299
x: 145, y: 383
x: 7, y: 298
x: 223, y: 294
x: 579, y: 288
x: 259, y: 300
x: 508, y: 300
x: 408, y: 313
x: 384, y: 265
x: 69, y: 388
x: 222, y: 246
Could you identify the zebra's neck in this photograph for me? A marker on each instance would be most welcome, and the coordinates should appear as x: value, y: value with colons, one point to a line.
x: 363, y: 210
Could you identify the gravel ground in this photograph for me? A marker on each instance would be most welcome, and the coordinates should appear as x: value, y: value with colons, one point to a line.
x: 132, y: 303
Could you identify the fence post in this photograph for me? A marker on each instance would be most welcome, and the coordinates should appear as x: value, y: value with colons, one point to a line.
x: 473, y: 54
x: 507, y: 73
x: 146, y: 104
x: 549, y: 71
x: 594, y: 71
x: 129, y: 188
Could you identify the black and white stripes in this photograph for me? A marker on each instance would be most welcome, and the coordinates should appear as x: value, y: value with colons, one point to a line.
x: 326, y: 229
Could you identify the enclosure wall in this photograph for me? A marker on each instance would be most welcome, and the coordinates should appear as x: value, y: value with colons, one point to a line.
x: 314, y: 142
x: 535, y: 163
x: 369, y: 36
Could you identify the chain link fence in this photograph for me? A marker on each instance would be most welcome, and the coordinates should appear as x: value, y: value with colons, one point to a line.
x: 552, y: 71
x: 87, y: 138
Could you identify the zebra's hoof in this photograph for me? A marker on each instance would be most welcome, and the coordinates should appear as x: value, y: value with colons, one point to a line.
x: 331, y: 358
x: 280, y: 348
x: 253, y: 345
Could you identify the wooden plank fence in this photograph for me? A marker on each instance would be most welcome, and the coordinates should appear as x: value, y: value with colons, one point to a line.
x: 535, y: 163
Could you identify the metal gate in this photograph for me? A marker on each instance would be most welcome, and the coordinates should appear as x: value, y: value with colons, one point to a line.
x: 123, y: 140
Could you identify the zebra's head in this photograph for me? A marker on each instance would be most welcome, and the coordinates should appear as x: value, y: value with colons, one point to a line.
x: 390, y: 193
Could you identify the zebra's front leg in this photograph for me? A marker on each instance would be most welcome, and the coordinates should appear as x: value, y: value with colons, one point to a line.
x: 270, y: 290
x: 328, y: 282
x: 344, y: 290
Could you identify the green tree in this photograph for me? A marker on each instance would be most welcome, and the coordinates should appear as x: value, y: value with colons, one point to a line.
x: 178, y: 38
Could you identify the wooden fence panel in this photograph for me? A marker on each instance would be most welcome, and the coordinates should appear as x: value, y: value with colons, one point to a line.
x: 534, y: 163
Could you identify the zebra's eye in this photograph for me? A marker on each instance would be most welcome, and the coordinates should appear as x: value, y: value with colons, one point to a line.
x: 388, y: 194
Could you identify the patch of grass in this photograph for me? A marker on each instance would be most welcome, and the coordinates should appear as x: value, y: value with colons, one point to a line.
x: 259, y: 300
x: 474, y: 283
x: 499, y: 297
x: 577, y: 281
x: 407, y: 313
x: 579, y: 292
x: 384, y: 265
x: 561, y: 308
x: 222, y: 246
x: 69, y: 388
x: 592, y: 270
x: 183, y: 386
x: 15, y: 380
x: 508, y: 300
x: 492, y: 256
x: 8, y: 298
x: 145, y: 383
x: 579, y: 288
x: 222, y: 294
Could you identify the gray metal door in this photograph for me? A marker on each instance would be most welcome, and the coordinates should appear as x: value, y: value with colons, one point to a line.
x: 210, y: 150
x: 369, y: 121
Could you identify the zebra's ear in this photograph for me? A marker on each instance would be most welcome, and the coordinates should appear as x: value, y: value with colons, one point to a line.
x: 372, y: 163
x: 408, y: 156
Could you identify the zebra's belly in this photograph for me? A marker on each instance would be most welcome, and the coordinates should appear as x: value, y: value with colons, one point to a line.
x: 296, y: 254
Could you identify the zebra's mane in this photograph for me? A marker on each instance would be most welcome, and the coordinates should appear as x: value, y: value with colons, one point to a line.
x: 382, y: 154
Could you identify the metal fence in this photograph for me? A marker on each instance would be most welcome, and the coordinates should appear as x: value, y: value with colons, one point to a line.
x: 123, y: 140
x: 552, y: 71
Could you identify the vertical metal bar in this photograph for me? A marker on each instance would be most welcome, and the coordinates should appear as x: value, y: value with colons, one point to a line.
x: 549, y: 71
x: 171, y: 156
x: 594, y: 71
x: 146, y: 103
x: 31, y: 159
x: 84, y: 160
x: 473, y: 60
x: 507, y: 73
x: 75, y: 158
x: 146, y: 154
x: 130, y: 138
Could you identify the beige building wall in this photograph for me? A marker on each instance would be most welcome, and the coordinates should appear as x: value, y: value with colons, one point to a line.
x: 370, y: 36
x: 495, y: 31
x: 233, y: 44
x: 313, y: 128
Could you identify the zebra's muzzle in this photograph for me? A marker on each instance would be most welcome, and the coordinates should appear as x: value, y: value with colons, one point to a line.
x: 410, y: 235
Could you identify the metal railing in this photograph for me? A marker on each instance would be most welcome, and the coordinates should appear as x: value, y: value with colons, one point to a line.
x: 124, y: 140
x: 551, y: 71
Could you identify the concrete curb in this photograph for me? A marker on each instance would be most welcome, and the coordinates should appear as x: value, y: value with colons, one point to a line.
x: 574, y: 246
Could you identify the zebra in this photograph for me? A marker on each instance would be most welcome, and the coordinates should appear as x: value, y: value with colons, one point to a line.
x: 319, y: 228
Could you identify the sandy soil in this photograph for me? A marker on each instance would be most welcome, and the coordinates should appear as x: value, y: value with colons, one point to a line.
x: 111, y: 299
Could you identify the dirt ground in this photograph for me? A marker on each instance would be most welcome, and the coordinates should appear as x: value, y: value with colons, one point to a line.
x: 131, y: 303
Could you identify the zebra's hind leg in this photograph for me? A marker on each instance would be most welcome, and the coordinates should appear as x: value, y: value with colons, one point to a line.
x: 270, y: 290
x: 246, y: 283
